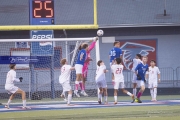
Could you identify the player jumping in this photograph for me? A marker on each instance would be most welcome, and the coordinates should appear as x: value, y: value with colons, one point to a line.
x: 153, y: 78
x: 86, y: 64
x: 13, y: 90
x: 101, y: 81
x: 117, y: 69
x: 140, y: 71
x: 79, y: 66
x: 115, y: 52
x: 64, y: 79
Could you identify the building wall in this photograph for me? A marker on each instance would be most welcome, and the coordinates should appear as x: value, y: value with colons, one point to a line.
x: 167, y: 49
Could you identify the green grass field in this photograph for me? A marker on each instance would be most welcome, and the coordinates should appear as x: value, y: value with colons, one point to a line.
x: 164, y: 112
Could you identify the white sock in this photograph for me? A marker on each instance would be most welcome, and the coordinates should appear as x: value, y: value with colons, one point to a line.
x: 105, y: 98
x: 155, y: 93
x: 115, y: 98
x: 134, y: 92
x: 9, y: 101
x: 128, y: 93
x: 99, y: 96
x: 69, y: 98
x: 24, y: 103
x: 152, y: 93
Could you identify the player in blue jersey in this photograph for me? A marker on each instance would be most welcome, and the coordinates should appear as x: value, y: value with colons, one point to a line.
x: 78, y: 67
x: 140, y: 71
x: 114, y: 53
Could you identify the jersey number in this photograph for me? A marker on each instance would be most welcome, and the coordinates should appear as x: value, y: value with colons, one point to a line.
x: 113, y: 53
x: 118, y: 70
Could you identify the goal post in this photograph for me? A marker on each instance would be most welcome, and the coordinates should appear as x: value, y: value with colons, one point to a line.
x: 41, y: 69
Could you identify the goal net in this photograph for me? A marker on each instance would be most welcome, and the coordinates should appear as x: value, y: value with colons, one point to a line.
x: 41, y: 73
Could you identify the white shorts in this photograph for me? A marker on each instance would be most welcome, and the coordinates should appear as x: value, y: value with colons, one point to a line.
x: 118, y: 85
x: 66, y: 86
x: 152, y: 84
x: 140, y: 83
x: 11, y: 89
x: 78, y: 68
x: 101, y: 84
x: 134, y: 79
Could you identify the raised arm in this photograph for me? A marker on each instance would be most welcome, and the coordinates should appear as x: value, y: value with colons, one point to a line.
x: 92, y: 45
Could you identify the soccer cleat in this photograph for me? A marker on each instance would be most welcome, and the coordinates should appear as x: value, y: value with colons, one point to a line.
x: 76, y: 94
x: 133, y: 100
x: 26, y: 108
x: 138, y: 100
x: 6, y: 106
x: 84, y: 93
x: 99, y: 101
x: 115, y: 103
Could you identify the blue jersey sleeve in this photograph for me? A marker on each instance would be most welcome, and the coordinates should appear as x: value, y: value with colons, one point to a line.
x: 120, y: 52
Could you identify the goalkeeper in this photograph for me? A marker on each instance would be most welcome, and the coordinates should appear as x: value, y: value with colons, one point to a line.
x: 86, y: 64
x: 13, y: 90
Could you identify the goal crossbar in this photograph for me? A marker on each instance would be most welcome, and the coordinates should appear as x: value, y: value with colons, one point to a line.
x: 44, y: 40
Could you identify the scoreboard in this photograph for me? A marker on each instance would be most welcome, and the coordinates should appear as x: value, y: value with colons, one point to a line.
x: 46, y: 12
x: 42, y: 12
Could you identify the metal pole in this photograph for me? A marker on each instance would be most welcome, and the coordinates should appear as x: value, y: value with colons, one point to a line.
x: 66, y: 44
x: 165, y: 8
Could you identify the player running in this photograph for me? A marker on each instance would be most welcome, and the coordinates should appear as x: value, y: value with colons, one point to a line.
x: 115, y: 52
x: 153, y: 76
x: 12, y: 89
x: 79, y: 66
x: 140, y: 71
x: 117, y: 69
x: 101, y: 81
x: 64, y: 79
x: 85, y: 67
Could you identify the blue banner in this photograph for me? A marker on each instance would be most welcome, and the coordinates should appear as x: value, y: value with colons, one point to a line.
x: 23, y: 60
x: 42, y: 48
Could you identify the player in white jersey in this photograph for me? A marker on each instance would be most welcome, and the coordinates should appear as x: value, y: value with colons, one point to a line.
x: 136, y: 61
x: 117, y: 69
x: 101, y: 81
x: 64, y: 79
x: 153, y: 76
x: 12, y: 89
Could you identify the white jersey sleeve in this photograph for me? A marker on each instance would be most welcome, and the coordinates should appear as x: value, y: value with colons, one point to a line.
x: 153, y: 72
x: 11, y: 77
x: 100, y: 75
x: 65, y: 73
x: 158, y: 71
x: 135, y: 63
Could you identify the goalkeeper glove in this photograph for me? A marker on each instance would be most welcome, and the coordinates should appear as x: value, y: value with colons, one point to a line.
x: 20, y: 79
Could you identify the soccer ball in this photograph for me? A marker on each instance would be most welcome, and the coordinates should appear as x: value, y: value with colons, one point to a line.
x: 100, y: 32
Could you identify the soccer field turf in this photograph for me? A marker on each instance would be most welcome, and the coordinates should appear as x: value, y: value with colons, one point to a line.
x: 124, y: 112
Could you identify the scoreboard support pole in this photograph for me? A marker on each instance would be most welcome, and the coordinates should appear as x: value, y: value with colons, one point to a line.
x: 42, y: 20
